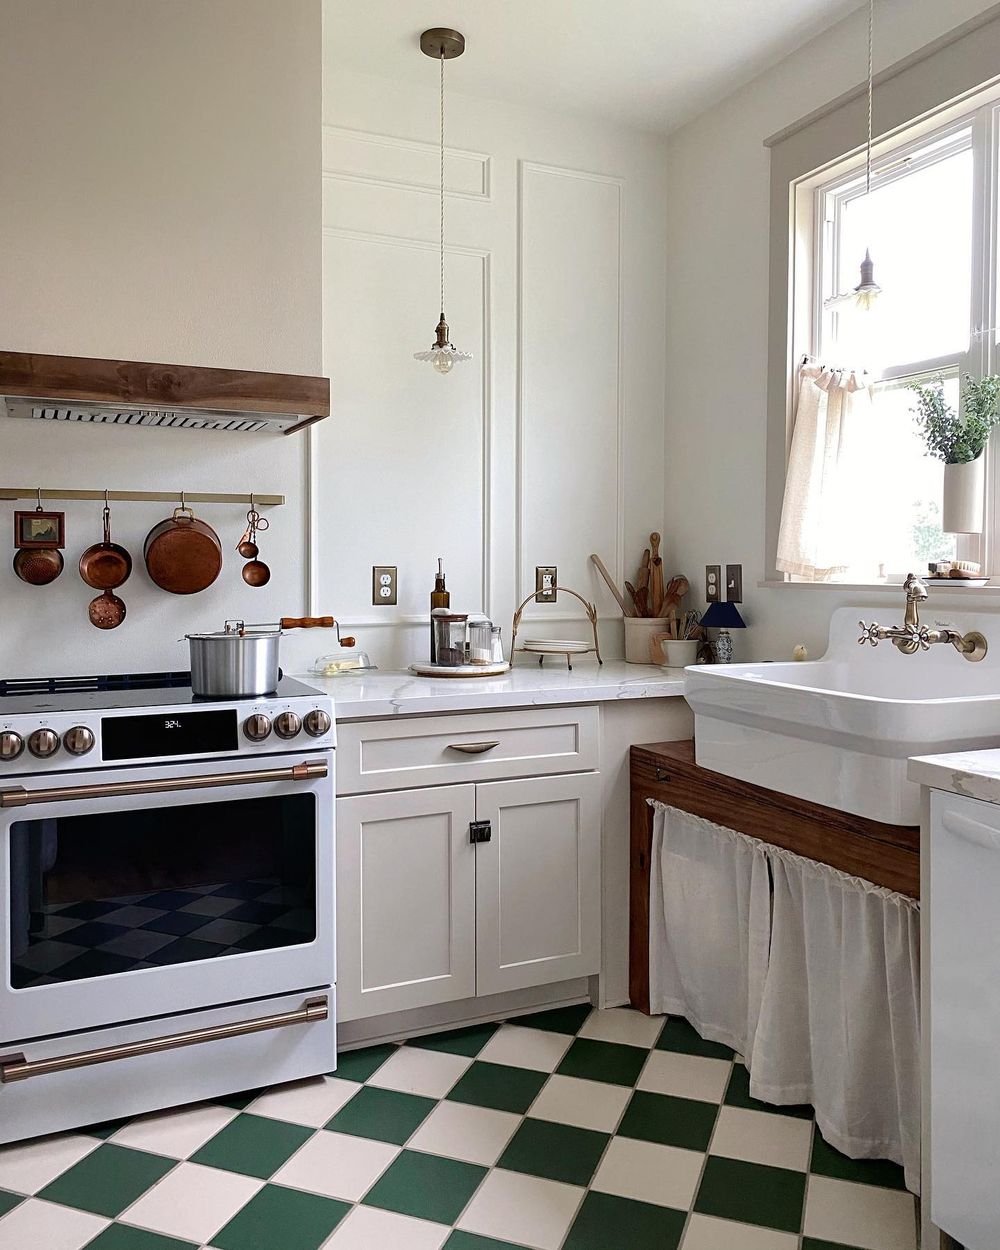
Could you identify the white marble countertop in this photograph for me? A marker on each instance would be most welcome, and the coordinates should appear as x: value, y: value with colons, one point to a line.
x: 976, y: 774
x: 392, y: 693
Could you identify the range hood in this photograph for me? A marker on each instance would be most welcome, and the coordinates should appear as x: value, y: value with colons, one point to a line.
x: 130, y: 392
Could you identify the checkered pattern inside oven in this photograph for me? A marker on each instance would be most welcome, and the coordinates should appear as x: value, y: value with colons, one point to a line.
x: 98, y: 937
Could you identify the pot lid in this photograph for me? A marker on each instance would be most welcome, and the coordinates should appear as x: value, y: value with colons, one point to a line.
x: 237, y: 631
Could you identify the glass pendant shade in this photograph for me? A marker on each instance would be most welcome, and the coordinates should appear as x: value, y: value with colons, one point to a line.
x: 868, y: 290
x: 443, y: 354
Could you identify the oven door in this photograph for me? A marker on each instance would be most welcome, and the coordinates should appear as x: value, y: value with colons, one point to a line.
x: 143, y: 891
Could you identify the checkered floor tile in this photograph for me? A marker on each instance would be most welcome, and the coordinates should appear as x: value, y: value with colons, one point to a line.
x: 567, y: 1130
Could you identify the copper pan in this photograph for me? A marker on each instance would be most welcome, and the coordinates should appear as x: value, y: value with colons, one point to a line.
x: 105, y: 565
x: 183, y: 555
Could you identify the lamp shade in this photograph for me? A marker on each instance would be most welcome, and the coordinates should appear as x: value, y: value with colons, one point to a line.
x: 723, y: 616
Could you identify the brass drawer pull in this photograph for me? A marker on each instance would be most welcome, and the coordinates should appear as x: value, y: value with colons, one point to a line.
x: 17, y: 1068
x: 20, y: 797
x: 472, y: 748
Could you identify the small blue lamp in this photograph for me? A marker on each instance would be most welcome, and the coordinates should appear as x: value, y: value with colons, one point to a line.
x: 723, y: 617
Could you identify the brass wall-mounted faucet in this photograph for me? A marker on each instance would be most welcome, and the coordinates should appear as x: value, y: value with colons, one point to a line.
x: 911, y: 636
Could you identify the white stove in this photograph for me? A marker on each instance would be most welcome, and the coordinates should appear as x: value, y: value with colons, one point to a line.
x: 166, y: 895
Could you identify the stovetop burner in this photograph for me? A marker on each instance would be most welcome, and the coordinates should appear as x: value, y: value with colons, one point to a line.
x: 111, y: 690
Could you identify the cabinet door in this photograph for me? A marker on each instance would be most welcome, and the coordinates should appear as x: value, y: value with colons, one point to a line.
x: 538, y: 898
x: 964, y: 957
x: 406, y: 890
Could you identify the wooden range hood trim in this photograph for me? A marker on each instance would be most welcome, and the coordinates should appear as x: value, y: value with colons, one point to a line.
x: 191, y: 388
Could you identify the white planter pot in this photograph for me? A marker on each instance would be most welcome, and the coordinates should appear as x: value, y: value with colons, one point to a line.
x: 962, y: 508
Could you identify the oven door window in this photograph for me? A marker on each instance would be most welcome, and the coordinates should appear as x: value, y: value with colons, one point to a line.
x: 102, y: 893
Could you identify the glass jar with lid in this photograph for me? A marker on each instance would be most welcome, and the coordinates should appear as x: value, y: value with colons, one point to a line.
x: 450, y: 629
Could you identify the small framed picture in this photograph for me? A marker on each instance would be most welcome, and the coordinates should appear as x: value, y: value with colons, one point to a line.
x: 39, y: 529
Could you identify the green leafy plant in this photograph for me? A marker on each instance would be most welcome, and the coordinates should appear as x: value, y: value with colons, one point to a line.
x: 952, y: 438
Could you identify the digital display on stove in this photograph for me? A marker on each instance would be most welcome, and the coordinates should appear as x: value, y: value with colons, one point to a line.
x: 212, y: 732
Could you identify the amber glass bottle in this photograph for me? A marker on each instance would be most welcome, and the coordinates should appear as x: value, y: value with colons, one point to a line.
x: 440, y: 598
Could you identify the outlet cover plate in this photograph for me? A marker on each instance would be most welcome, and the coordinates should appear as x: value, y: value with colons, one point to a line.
x: 713, y: 583
x: 384, y: 585
x: 546, y: 578
x: 734, y: 583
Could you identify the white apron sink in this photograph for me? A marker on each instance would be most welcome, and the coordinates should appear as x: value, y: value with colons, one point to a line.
x: 839, y: 730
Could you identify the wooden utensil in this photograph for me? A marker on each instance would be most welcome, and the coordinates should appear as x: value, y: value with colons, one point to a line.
x: 655, y: 576
x: 626, y: 608
x: 642, y: 585
x: 634, y: 596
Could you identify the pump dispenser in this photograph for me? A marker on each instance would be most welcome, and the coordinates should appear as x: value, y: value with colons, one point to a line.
x: 440, y: 598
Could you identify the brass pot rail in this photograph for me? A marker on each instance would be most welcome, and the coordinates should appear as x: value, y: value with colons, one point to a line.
x: 18, y: 796
x: 17, y: 1068
x: 141, y: 496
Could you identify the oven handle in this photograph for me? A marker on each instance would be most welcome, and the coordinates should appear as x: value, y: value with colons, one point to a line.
x: 17, y: 1068
x: 20, y: 797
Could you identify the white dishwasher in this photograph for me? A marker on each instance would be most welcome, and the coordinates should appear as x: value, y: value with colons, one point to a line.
x: 964, y: 928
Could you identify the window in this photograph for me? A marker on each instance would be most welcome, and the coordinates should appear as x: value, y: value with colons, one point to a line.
x: 930, y: 221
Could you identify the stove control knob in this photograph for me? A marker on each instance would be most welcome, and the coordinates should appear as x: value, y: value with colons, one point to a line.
x: 78, y: 740
x: 317, y: 723
x: 257, y: 727
x: 11, y: 745
x: 43, y: 742
x: 287, y: 724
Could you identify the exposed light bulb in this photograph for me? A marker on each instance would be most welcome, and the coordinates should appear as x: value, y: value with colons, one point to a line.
x: 443, y: 363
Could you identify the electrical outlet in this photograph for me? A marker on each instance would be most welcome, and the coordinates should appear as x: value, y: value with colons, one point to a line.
x: 734, y: 583
x: 546, y: 580
x: 384, y: 585
x: 713, y: 583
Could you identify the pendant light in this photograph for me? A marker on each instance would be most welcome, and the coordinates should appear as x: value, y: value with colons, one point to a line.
x: 443, y: 45
x: 867, y: 290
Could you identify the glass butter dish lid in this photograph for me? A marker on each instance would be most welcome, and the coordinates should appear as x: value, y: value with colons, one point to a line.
x: 345, y: 662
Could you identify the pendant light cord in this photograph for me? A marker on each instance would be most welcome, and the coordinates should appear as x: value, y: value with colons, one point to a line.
x: 871, y: 43
x: 442, y: 182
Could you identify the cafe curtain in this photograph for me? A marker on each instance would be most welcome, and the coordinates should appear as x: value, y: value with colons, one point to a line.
x: 822, y: 528
x: 809, y: 973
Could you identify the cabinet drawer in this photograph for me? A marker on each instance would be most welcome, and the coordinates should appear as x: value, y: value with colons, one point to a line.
x: 439, y: 750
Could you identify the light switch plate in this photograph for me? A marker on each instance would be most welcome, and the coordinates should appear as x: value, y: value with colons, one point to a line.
x: 384, y: 585
x: 546, y: 579
x: 734, y: 583
x: 713, y: 583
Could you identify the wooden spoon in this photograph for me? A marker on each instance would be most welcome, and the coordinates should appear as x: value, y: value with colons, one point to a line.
x: 656, y: 576
x: 599, y: 565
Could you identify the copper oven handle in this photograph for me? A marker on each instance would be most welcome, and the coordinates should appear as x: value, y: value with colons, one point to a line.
x: 472, y: 748
x: 20, y: 797
x: 17, y: 1068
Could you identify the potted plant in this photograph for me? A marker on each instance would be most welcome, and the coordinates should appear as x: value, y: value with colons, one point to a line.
x: 959, y: 439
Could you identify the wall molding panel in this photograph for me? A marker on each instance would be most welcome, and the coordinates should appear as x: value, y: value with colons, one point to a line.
x: 386, y: 161
x: 598, y: 338
x: 549, y: 444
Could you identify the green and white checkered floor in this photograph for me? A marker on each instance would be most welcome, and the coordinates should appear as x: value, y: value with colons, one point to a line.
x: 572, y: 1129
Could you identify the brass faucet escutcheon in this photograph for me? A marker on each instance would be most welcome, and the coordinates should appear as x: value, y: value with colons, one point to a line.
x: 911, y: 636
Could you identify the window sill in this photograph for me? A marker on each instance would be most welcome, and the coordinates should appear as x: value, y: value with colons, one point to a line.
x: 886, y: 590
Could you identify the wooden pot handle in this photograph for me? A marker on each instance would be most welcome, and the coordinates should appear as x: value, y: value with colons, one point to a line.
x: 306, y: 622
x: 656, y: 655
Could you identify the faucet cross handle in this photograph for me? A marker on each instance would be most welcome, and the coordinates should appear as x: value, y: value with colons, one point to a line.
x: 869, y: 633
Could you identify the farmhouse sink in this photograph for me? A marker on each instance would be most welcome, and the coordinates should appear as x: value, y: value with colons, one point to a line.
x: 839, y: 730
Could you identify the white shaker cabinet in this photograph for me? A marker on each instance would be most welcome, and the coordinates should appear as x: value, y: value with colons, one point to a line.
x: 538, y: 890
x: 964, y: 1034
x: 430, y: 911
x: 406, y: 898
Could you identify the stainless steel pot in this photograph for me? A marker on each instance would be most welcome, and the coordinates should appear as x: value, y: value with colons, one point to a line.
x: 241, y: 661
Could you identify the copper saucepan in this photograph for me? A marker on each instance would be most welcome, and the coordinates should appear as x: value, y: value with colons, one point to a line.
x: 105, y: 566
x: 183, y: 555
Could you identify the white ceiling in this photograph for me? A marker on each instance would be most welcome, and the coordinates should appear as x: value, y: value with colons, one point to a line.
x: 651, y: 64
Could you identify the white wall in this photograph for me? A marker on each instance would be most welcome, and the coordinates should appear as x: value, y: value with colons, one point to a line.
x: 549, y: 444
x: 161, y: 201
x: 717, y: 269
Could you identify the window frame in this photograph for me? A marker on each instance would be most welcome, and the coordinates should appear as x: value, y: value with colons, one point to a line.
x: 816, y: 203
